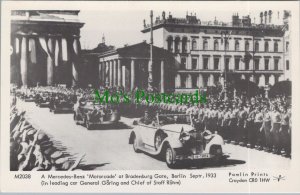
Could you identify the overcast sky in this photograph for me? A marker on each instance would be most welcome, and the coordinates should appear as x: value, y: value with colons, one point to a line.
x: 122, y: 22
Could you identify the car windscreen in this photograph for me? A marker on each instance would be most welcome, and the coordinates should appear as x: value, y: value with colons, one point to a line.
x: 172, y: 119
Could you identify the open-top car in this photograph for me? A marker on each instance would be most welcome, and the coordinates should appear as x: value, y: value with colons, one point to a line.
x: 43, y: 99
x: 173, y: 137
x: 89, y: 113
x: 61, y: 103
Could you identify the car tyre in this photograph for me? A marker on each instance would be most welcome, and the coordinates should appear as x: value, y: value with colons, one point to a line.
x: 170, y: 157
x: 158, y: 139
x: 135, y: 144
x: 87, y: 124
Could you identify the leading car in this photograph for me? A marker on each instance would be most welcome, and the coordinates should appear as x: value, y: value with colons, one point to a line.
x: 173, y: 137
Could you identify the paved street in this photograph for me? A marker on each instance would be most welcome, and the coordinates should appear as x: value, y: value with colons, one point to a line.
x: 108, y: 148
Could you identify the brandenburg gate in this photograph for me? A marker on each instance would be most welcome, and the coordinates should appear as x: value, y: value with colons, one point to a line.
x: 45, y: 47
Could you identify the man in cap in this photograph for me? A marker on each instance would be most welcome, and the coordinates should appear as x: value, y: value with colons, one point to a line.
x: 241, y: 130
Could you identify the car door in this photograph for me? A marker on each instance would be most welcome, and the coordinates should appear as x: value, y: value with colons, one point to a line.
x: 147, y: 134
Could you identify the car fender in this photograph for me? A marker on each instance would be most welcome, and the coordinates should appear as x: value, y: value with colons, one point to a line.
x: 216, y: 140
x: 138, y: 137
x: 174, y: 143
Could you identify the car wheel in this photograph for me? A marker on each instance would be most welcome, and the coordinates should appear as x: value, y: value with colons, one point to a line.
x: 170, y: 156
x: 217, y: 152
x: 158, y: 139
x: 135, y: 145
x: 87, y: 124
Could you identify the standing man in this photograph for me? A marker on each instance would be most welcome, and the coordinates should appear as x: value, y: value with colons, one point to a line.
x: 241, y: 130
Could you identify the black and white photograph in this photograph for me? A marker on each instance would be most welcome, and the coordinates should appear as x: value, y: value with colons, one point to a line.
x: 161, y: 87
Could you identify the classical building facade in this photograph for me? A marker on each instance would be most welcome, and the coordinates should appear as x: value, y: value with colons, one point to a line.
x: 207, y: 53
x: 287, y: 51
x: 46, y: 47
x: 128, y: 67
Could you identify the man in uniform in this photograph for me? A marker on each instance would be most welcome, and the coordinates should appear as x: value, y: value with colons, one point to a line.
x: 241, y: 126
x: 250, y: 125
x: 233, y: 124
x: 226, y: 122
x: 220, y: 120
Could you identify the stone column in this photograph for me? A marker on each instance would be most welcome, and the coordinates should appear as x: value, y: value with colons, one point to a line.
x: 106, y: 73
x: 75, y: 63
x: 119, y: 73
x: 100, y: 74
x: 111, y: 73
x: 124, y: 77
x: 132, y: 75
x: 50, y: 62
x: 103, y: 73
x: 24, y: 61
x: 115, y: 72
x: 162, y: 77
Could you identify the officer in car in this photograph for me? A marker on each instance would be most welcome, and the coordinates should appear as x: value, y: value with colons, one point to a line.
x: 146, y: 119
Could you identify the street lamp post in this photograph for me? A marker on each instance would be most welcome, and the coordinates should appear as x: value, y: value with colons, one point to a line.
x: 150, y: 67
x: 225, y: 35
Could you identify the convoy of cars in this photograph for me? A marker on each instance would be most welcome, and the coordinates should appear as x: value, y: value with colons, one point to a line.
x: 172, y: 137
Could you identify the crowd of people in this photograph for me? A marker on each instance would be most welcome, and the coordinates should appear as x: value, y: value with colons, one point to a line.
x: 33, y: 150
x: 255, y: 122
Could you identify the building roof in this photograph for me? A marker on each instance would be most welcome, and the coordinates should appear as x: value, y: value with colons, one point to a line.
x: 192, y: 21
x: 54, y: 16
x: 139, y: 50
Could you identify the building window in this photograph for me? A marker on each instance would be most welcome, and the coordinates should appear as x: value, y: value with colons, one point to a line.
x: 266, y: 46
x: 267, y: 80
x: 194, y: 81
x: 256, y: 64
x: 287, y: 46
x: 247, y: 46
x: 247, y: 64
x: 266, y: 64
x: 184, y: 45
x: 170, y: 44
x: 256, y: 46
x: 216, y: 63
x: 287, y: 65
x: 226, y: 64
x: 226, y: 45
x: 205, y: 63
x: 194, y: 44
x: 205, y: 45
x: 194, y: 63
x: 188, y: 83
x: 276, y: 62
x: 276, y: 47
x: 183, y: 63
x: 177, y: 40
x: 216, y: 45
x: 237, y: 63
x: 183, y: 81
x: 237, y: 45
